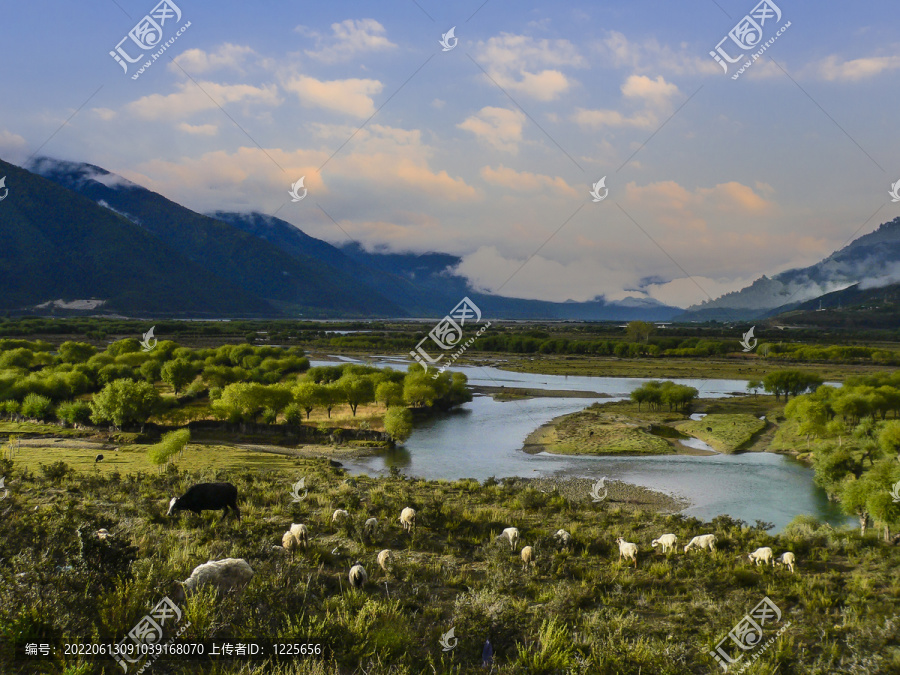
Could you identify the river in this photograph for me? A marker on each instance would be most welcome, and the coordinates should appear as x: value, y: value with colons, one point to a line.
x: 484, y: 438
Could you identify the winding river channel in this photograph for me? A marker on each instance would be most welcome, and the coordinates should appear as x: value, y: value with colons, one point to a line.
x: 484, y: 438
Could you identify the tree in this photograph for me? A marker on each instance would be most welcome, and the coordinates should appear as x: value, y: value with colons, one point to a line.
x: 331, y: 395
x: 639, y: 396
x: 754, y: 386
x: 74, y: 412
x: 246, y: 401
x: 398, y: 423
x: 889, y: 438
x: 151, y: 370
x: 389, y: 393
x: 418, y: 389
x: 124, y: 402
x: 37, y: 407
x: 308, y: 396
x: 177, y: 373
x: 357, y: 390
x: 854, y: 498
x: 639, y: 331
x: 170, y: 445
x: 811, y: 415
x: 75, y: 352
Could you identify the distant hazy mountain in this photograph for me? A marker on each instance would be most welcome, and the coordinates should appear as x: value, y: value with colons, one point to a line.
x: 63, y: 251
x: 871, y: 261
x: 425, y: 285
x: 254, y: 263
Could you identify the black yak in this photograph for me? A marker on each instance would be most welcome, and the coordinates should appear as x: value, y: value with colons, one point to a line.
x: 207, y: 497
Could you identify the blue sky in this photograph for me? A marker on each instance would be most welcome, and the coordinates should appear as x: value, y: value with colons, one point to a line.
x: 490, y: 148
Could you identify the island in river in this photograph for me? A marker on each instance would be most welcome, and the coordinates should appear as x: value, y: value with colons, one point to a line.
x: 620, y: 428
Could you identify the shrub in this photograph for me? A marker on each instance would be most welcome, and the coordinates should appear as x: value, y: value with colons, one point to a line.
x: 37, y: 407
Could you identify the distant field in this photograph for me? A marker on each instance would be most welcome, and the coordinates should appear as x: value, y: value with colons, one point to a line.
x: 133, y: 458
x: 737, y: 368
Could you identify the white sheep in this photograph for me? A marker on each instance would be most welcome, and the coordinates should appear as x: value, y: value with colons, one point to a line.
x: 667, y: 541
x: 763, y: 554
x: 370, y: 526
x: 563, y: 539
x: 224, y: 575
x: 512, y: 535
x: 703, y: 541
x: 527, y: 557
x: 385, y: 560
x: 408, y: 518
x: 627, y: 550
x: 358, y: 576
x: 787, y: 558
x: 103, y: 534
x: 339, y: 516
x: 296, y: 537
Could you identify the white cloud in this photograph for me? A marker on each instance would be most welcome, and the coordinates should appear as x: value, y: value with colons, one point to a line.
x: 351, y: 97
x: 197, y: 61
x: 499, y: 127
x: 649, y: 56
x: 13, y: 147
x: 104, y: 114
x: 654, y: 96
x: 349, y: 38
x: 835, y: 68
x: 199, y: 129
x: 525, y: 181
x: 519, y: 63
x: 191, y: 98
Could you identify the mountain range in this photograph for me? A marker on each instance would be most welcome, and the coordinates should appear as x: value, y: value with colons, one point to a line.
x: 871, y: 261
x: 81, y: 239
x: 136, y: 253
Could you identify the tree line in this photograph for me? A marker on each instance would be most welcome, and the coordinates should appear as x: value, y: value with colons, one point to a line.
x: 120, y: 386
x: 857, y: 457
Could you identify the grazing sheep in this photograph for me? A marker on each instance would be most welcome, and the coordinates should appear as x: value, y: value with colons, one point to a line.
x: 207, y: 497
x: 98, y: 458
x: 667, y: 541
x: 527, y: 557
x: 358, y: 576
x: 408, y: 518
x: 296, y: 537
x: 370, y: 526
x: 385, y: 560
x: 563, y: 539
x: 627, y: 550
x: 103, y: 534
x: 512, y: 535
x: 224, y: 575
x: 339, y: 516
x: 702, y: 541
x: 762, y: 554
x: 787, y: 558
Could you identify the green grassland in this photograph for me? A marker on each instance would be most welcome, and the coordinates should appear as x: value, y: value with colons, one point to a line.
x: 604, y: 429
x: 724, y: 433
x: 580, y: 611
x: 620, y: 427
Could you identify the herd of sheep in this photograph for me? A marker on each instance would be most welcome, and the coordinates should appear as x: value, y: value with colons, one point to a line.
x: 233, y: 573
